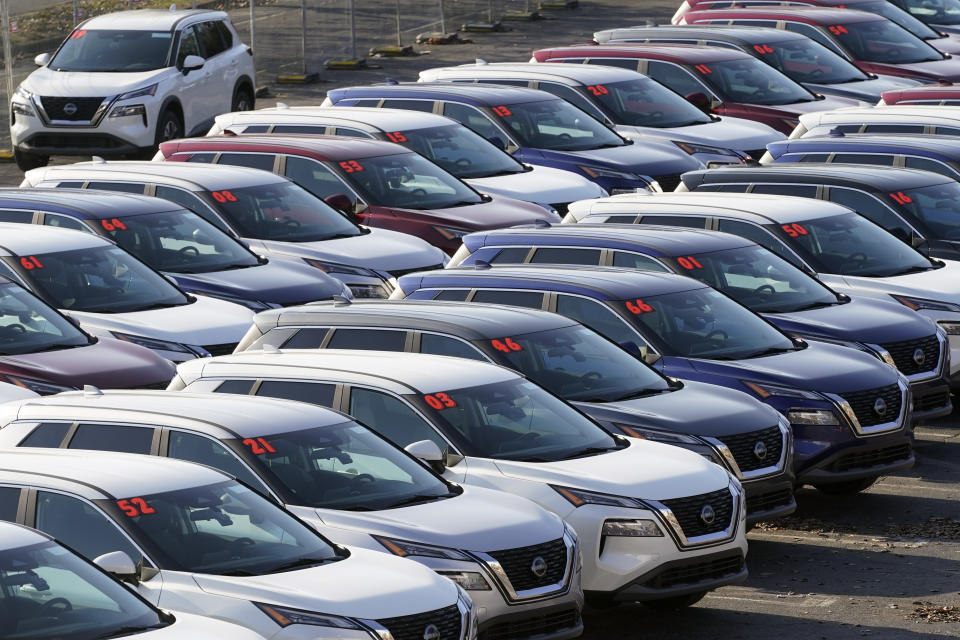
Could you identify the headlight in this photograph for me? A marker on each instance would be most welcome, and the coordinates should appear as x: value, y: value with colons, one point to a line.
x: 814, y: 417
x: 37, y: 386
x: 335, y: 267
x: 152, y: 343
x: 624, y: 528
x: 468, y: 580
x: 600, y: 172
x: 139, y: 93
x: 694, y: 148
x: 285, y: 616
x: 404, y: 548
x: 767, y: 390
x: 21, y: 104
x: 450, y: 233
x: 122, y: 111
x: 950, y: 328
x: 657, y: 436
x: 579, y: 497
x: 923, y: 303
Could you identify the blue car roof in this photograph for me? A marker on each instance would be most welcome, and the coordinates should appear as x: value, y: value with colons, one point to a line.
x: 603, y: 283
x: 88, y: 204
x: 475, y: 94
x: 929, y: 146
x: 651, y: 239
x: 874, y: 176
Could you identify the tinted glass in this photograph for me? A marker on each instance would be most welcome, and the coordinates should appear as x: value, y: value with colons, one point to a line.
x: 572, y: 96
x: 27, y: 325
x: 864, y: 158
x: 412, y: 105
x: 307, y: 338
x: 473, y: 119
x: 813, y: 157
x: 192, y: 202
x: 883, y: 41
x: 109, y: 437
x: 210, y: 39
x: 99, y: 279
x: 49, y: 434
x: 799, y: 190
x: 694, y: 222
x: 22, y: 217
x: 934, y: 11
x: 391, y: 418
x: 126, y: 187
x: 312, y: 392
x: 64, y: 222
x: 636, y: 261
x: 241, y: 387
x: 344, y: 466
x: 566, y: 255
x: 645, y: 103
x: 934, y: 209
x: 250, y: 128
x: 459, y: 151
x: 805, y: 60
x: 90, y: 604
x: 897, y: 15
x: 115, y: 51
x: 750, y: 81
x: 511, y: 255
x: 224, y: 33
x: 353, y: 133
x: 368, y: 339
x: 870, y: 208
x: 515, y: 420
x: 932, y: 165
x: 673, y: 76
x: 556, y: 125
x: 81, y: 526
x: 297, y: 128
x: 9, y: 502
x: 189, y: 45
x: 263, y: 161
x: 203, y: 450
x: 754, y: 232
x: 457, y: 295
x: 598, y: 317
x: 444, y: 346
x: 316, y: 178
x: 531, y: 299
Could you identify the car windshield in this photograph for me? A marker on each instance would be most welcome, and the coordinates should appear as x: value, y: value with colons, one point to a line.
x: 178, y: 241
x: 405, y: 181
x: 757, y: 278
x: 459, y: 151
x: 576, y: 364
x: 108, y: 50
x: 515, y: 420
x: 934, y: 11
x: 750, y: 81
x: 895, y: 14
x: 805, y: 60
x: 99, y: 280
x: 703, y: 323
x: 27, y: 325
x: 849, y: 244
x: 556, y: 125
x: 222, y: 529
x: 281, y: 211
x: 343, y: 466
x: 88, y: 604
x: 935, y: 209
x: 882, y: 41
x: 645, y: 103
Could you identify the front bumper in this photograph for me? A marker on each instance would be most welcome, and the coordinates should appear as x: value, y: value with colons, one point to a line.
x: 554, y: 622
x: 686, y: 576
x: 770, y: 498
x: 931, y: 399
x: 875, y: 457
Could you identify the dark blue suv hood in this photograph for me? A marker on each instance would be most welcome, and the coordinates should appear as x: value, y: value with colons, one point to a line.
x: 698, y: 408
x: 641, y: 158
x: 860, y: 320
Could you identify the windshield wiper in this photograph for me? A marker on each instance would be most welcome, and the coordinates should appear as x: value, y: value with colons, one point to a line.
x: 589, y: 451
x: 130, y: 630
x: 817, y: 305
x: 914, y: 269
x: 55, y: 347
x: 420, y: 497
x: 768, y: 352
x: 300, y: 562
x: 642, y: 394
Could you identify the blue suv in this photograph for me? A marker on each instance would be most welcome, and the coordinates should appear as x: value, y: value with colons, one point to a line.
x: 196, y: 255
x: 757, y: 278
x: 537, y: 128
x: 850, y: 414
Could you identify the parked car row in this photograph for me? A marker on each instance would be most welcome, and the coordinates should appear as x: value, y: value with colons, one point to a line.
x: 281, y: 379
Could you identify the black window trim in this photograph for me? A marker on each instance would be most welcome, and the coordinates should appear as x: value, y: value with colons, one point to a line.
x: 75, y: 426
x: 607, y: 304
x: 828, y: 188
x: 415, y: 346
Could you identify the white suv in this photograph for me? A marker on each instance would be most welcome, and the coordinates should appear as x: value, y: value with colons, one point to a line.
x: 121, y: 83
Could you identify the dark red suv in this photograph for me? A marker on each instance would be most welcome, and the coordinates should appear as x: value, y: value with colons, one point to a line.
x: 870, y: 41
x: 934, y: 94
x: 725, y: 81
x: 381, y: 184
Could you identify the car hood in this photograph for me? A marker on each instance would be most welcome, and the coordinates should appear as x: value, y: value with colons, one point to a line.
x: 866, y: 90
x: 698, y: 408
x: 726, y: 133
x: 477, y: 520
x: 80, y: 84
x: 380, y: 249
x: 279, y: 281
x: 193, y: 627
x: 545, y: 185
x: 495, y: 213
x: 819, y: 367
x: 205, y: 321
x: 107, y: 363
x: 796, y: 109
x: 860, y: 320
x: 647, y: 158
x: 9, y: 392
x: 368, y: 584
x: 948, y: 69
x: 937, y: 284
x: 948, y: 45
x: 644, y: 469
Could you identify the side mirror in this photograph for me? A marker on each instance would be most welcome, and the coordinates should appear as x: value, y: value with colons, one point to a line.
x: 42, y: 60
x: 428, y: 452
x: 699, y: 100
x: 192, y: 63
x: 120, y: 565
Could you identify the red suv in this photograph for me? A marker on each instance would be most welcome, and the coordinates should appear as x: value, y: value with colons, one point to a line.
x: 937, y: 95
x: 724, y: 81
x: 870, y: 41
x: 380, y: 184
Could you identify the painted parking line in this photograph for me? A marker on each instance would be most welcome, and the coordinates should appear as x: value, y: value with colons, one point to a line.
x: 779, y: 600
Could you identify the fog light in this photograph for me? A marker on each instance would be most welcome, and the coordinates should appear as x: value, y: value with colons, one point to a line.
x: 469, y: 580
x: 816, y: 417
x: 631, y: 529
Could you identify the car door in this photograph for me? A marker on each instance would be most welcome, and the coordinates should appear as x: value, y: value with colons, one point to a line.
x: 199, y: 89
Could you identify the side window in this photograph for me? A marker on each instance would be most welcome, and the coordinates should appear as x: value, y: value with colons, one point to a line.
x: 410, y: 105
x: 264, y: 161
x: 312, y: 392
x: 241, y: 387
x: 511, y: 255
x: 814, y: 157
x: 630, y: 260
x: 315, y: 178
x: 112, y: 437
x: 9, y: 501
x: 210, y: 39
x: 310, y: 338
x: 947, y: 131
x: 203, y: 450
x: 868, y: 206
x: 225, y: 33
x: 313, y: 129
x: 676, y: 78
x: 893, y: 128
x: 693, y: 222
x: 21, y: 217
x: 801, y: 190
x: 932, y: 165
x: 531, y: 299
x: 189, y: 45
x: 574, y: 97
x: 815, y: 34
x: 352, y: 133
x: 457, y: 295
x: 70, y: 185
x: 566, y: 255
x: 64, y: 222
x: 472, y: 118
x: 47, y: 434
x: 623, y: 63
x: 189, y: 201
x: 729, y: 188
x: 368, y: 102
x: 444, y: 346
x: 759, y: 235
x: 126, y: 187
x: 391, y: 418
x: 568, y: 60
x: 207, y: 158
x: 598, y: 317
x: 80, y: 525
x: 368, y: 339
x: 865, y: 158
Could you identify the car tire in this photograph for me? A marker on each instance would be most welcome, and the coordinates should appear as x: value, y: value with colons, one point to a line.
x: 242, y: 100
x: 169, y: 127
x: 676, y: 602
x: 845, y: 488
x: 26, y: 161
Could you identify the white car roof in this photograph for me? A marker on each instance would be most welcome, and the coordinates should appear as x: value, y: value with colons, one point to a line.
x: 151, y: 19
x: 931, y: 114
x: 28, y: 239
x: 192, y: 175
x: 102, y: 474
x: 572, y: 73
x: 376, y: 119
x: 216, y: 414
x: 13, y: 536
x: 398, y: 372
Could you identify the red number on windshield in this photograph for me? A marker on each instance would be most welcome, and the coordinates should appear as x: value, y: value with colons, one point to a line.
x: 223, y: 196
x: 30, y: 262
x: 901, y: 198
x: 506, y: 345
x: 689, y: 262
x: 396, y: 136
x: 702, y: 68
x: 135, y: 507
x: 440, y: 401
x: 78, y: 34
x: 638, y: 306
x: 762, y: 48
x: 113, y: 225
x: 838, y: 29
x: 502, y: 111
x: 794, y: 230
x: 259, y: 446
x: 351, y: 166
x: 598, y: 89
